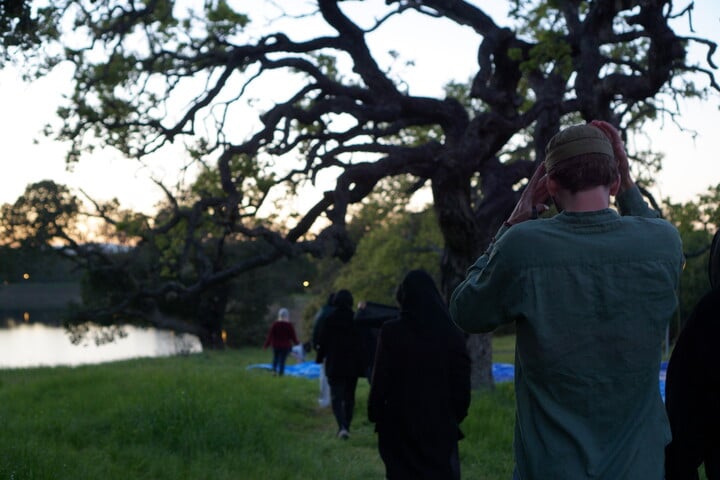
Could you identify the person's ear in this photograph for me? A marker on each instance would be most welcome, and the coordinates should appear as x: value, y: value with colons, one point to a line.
x: 615, y: 186
x: 552, y: 186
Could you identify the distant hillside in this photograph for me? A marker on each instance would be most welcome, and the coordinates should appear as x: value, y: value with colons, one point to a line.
x: 38, y: 295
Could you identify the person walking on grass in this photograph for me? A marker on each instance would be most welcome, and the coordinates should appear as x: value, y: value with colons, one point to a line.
x: 420, y: 388
x: 591, y: 293
x: 318, y: 324
x: 281, y: 337
x: 341, y: 347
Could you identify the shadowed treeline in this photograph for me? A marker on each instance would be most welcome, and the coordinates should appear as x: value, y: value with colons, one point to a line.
x: 51, y: 295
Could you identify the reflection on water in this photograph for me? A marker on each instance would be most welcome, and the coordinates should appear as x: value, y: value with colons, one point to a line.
x: 35, y: 344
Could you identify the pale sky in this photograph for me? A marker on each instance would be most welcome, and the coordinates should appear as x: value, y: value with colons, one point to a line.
x: 689, y: 169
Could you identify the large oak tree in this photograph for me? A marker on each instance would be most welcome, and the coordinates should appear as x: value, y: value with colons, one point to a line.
x: 155, y: 72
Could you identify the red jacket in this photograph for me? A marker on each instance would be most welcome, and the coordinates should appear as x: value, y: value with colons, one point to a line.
x: 281, y: 335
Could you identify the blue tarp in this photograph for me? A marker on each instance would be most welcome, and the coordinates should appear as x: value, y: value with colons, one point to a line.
x: 503, y: 372
x: 304, y: 369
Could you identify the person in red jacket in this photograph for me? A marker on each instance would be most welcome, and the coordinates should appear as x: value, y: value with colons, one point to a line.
x: 281, y: 337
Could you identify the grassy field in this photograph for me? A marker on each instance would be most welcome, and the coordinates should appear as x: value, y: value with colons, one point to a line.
x: 205, y: 416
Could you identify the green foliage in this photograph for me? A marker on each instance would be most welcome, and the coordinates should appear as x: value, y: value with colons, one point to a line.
x: 104, y: 286
x: 328, y: 65
x: 551, y: 54
x: 252, y: 177
x: 17, y: 25
x: 23, y: 29
x: 388, y: 251
x: 223, y: 21
x: 45, y: 214
x: 150, y: 48
x: 247, y: 317
x: 41, y: 264
x: 542, y: 22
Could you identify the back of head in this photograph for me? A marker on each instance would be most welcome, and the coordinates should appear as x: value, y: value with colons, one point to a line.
x: 421, y: 302
x: 416, y: 288
x: 284, y: 314
x: 581, y: 157
x: 343, y: 299
x: 714, y: 262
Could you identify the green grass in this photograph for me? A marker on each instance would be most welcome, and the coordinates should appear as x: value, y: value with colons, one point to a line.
x: 504, y: 348
x: 205, y: 417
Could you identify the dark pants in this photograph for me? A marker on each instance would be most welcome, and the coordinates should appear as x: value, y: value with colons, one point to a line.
x: 342, y: 397
x: 279, y: 357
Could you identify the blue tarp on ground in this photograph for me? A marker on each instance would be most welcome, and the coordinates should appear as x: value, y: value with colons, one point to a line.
x: 503, y: 372
x: 304, y: 369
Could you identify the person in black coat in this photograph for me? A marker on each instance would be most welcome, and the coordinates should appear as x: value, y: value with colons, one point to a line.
x: 341, y: 347
x: 692, y: 387
x: 420, y: 388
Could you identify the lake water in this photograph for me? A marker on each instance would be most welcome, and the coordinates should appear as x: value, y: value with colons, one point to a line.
x: 31, y: 334
x: 34, y: 344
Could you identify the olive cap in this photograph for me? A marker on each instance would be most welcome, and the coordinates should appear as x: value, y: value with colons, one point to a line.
x: 573, y: 141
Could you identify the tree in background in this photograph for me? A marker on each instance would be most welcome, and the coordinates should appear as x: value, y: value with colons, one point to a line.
x: 338, y: 114
x: 697, y: 221
x: 21, y: 29
x: 388, y: 251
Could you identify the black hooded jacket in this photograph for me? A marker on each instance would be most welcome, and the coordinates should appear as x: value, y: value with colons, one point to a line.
x: 341, y: 342
x: 420, y: 389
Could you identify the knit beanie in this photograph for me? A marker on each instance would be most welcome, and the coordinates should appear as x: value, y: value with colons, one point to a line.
x: 573, y: 141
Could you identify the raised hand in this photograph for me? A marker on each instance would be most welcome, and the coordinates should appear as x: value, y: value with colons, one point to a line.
x: 626, y: 181
x: 533, y: 200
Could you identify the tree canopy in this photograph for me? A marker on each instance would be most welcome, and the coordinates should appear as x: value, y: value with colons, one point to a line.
x: 307, y: 98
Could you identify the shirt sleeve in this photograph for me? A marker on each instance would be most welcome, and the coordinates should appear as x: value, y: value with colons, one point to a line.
x: 476, y: 305
x: 631, y: 202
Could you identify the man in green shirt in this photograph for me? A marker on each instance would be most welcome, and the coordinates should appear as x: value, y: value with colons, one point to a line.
x: 591, y: 292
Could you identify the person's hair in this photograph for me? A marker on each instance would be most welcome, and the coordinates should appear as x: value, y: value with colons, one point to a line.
x: 283, y: 313
x: 585, y: 171
x: 343, y: 298
x: 421, y: 303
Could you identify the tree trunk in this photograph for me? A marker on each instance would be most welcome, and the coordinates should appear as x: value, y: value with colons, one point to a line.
x: 463, y: 244
x: 480, y: 351
x: 211, y: 315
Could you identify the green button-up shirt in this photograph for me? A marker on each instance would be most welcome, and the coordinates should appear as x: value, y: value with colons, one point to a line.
x: 591, y: 294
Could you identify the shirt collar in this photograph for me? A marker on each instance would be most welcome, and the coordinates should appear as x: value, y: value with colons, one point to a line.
x: 595, y: 216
